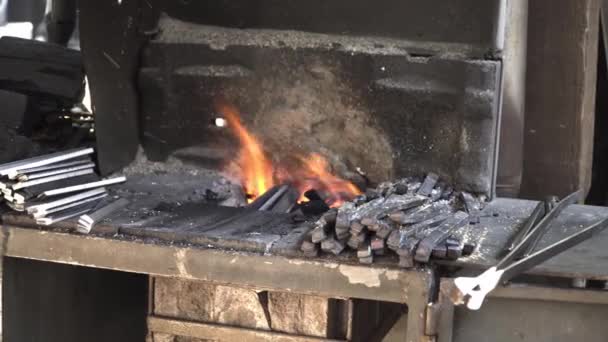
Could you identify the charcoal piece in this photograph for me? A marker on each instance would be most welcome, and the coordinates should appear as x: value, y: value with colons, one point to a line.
x: 343, y: 216
x: 367, y: 260
x: 439, y: 235
x: 468, y: 249
x: 429, y: 183
x: 440, y: 252
x: 371, y: 194
x: 406, y: 261
x: 401, y: 189
x: 453, y: 252
x: 313, y: 195
x: 311, y: 208
x: 377, y: 243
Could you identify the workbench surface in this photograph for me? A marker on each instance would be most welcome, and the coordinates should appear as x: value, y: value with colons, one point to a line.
x: 180, y: 217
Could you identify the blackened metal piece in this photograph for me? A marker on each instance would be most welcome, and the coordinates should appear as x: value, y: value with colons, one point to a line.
x: 367, y: 260
x: 406, y: 261
x: 343, y: 217
x: 319, y: 234
x: 453, y: 252
x: 377, y: 243
x: 530, y: 222
x: 384, y: 229
x: 440, y: 252
x: 471, y: 204
x: 259, y: 202
x: 468, y: 249
x: 429, y: 183
x: 439, y: 235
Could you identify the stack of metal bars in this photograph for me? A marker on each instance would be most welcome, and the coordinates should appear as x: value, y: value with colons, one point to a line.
x: 56, y: 187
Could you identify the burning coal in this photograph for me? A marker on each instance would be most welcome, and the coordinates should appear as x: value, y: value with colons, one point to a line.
x: 258, y: 174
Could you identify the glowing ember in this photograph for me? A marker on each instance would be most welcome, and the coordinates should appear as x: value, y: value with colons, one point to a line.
x: 258, y: 175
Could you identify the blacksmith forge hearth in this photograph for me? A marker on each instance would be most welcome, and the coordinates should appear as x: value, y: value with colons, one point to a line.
x: 394, y: 88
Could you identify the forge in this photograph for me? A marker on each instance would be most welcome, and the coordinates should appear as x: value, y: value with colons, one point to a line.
x: 292, y: 170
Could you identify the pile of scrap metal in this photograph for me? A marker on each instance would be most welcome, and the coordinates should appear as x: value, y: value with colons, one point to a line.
x: 59, y: 186
x: 413, y: 218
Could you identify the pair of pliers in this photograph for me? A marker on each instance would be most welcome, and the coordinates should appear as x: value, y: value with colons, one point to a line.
x: 473, y: 290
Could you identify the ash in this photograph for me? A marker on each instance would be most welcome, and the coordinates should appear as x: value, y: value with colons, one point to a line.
x: 416, y: 219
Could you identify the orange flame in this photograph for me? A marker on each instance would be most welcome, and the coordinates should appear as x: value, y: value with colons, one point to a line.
x: 256, y: 169
x: 258, y: 174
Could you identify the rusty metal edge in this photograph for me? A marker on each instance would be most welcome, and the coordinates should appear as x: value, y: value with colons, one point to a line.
x: 260, y: 271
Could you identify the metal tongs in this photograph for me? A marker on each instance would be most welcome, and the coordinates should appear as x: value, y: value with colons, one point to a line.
x: 473, y: 290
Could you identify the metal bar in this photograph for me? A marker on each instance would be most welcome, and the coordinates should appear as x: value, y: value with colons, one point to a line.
x: 275, y: 197
x: 48, y: 159
x: 43, y: 213
x: 46, y: 221
x: 215, y: 332
x: 51, y: 167
x: 38, y: 175
x: 55, y: 178
x: 82, y: 187
x: 86, y: 222
x: 45, y: 206
x: 552, y: 250
x: 539, y: 229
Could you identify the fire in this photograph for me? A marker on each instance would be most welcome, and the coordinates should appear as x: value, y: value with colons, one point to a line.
x: 258, y: 174
x: 257, y: 171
